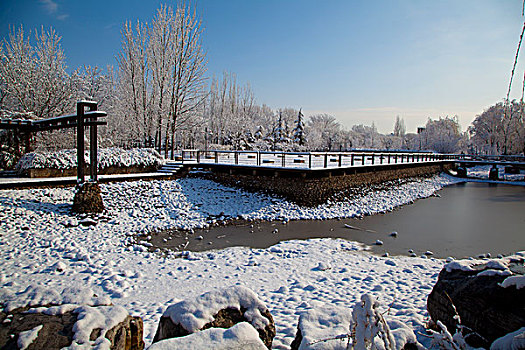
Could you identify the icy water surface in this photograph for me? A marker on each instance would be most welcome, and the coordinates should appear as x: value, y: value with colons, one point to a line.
x: 467, y: 219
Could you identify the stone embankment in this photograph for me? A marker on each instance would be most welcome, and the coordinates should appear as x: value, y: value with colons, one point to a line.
x: 314, y: 188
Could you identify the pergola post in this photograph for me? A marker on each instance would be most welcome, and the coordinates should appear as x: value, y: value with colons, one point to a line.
x: 80, y: 142
x: 93, y: 151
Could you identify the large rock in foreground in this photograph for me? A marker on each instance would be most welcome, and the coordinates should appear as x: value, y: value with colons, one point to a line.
x: 38, y: 318
x: 88, y: 199
x: 218, y: 309
x: 489, y: 296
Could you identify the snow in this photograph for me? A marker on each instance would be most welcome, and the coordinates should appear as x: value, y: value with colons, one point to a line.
x: 332, y: 327
x: 92, y: 312
x: 104, y: 258
x: 511, y: 341
x: 493, y: 272
x: 38, y: 295
x: 91, y: 318
x: 26, y: 338
x: 193, y: 314
x: 322, y: 327
x: 517, y: 281
x: 106, y: 157
x: 461, y: 265
x: 241, y: 336
x: 482, y: 172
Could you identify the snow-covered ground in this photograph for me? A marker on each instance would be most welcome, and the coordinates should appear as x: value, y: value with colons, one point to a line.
x: 42, y: 244
x: 482, y: 172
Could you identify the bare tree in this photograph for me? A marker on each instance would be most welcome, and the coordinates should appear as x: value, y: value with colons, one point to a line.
x: 133, y: 81
x: 160, y: 50
x: 187, y: 72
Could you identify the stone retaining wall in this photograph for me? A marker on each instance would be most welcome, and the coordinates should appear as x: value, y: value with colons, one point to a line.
x: 311, y: 189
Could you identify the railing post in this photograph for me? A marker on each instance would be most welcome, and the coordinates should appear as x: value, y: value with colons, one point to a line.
x: 326, y: 160
x: 380, y: 158
x: 352, y: 159
x: 388, y: 158
x: 198, y: 157
x: 373, y: 158
x: 284, y: 160
x: 236, y: 157
x: 258, y: 158
x: 216, y: 157
x: 309, y: 160
x: 363, y: 159
x: 340, y: 159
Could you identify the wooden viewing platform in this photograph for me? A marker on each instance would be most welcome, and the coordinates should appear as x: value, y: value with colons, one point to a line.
x: 311, y: 178
x: 308, y: 161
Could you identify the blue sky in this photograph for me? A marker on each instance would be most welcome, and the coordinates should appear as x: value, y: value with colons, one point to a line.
x: 361, y: 61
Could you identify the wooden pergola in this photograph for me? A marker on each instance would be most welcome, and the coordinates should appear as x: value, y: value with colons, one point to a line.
x: 83, y: 118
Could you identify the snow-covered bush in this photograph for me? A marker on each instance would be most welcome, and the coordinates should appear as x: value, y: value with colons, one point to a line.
x: 107, y: 157
x: 367, y: 324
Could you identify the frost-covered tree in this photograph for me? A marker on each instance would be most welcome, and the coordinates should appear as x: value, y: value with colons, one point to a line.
x: 133, y: 76
x: 34, y: 84
x: 399, y: 127
x: 500, y: 129
x: 366, y: 136
x: 299, y: 136
x: 33, y: 77
x: 323, y: 131
x: 442, y: 135
x: 278, y: 131
x: 259, y: 133
x: 188, y: 72
x: 161, y: 76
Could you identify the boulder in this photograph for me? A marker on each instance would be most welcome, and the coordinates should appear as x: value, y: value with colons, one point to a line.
x: 44, y: 318
x: 218, y: 309
x: 488, y: 295
x: 57, y: 331
x: 88, y: 199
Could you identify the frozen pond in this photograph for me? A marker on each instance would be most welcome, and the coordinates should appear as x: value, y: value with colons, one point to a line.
x: 467, y: 219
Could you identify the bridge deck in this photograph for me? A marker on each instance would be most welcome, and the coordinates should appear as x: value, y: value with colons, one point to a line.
x: 308, y: 162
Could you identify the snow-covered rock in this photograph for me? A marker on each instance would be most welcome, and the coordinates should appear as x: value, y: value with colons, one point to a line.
x: 512, y: 341
x: 241, y: 336
x: 217, y: 309
x: 73, y: 318
x: 467, y: 286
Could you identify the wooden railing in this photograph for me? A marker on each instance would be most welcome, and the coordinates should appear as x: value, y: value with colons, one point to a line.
x: 310, y: 160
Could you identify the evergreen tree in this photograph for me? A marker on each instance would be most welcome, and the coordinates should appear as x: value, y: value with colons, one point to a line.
x: 298, y: 133
x: 399, y: 127
x: 278, y: 133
